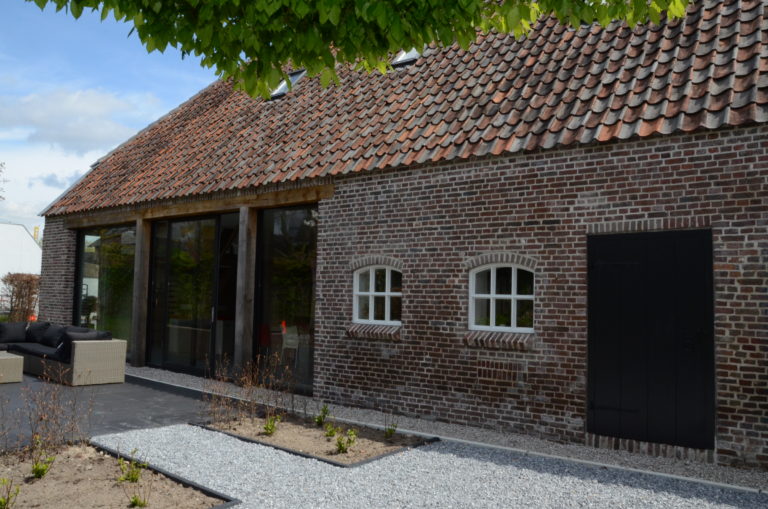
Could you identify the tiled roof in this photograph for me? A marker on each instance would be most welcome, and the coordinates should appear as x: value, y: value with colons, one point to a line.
x: 557, y: 87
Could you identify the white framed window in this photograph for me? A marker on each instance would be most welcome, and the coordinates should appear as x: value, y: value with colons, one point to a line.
x: 378, y: 295
x: 501, y: 298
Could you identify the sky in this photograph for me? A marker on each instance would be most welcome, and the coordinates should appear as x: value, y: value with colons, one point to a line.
x: 71, y: 91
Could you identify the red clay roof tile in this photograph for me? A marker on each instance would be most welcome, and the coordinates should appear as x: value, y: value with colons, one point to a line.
x: 556, y: 87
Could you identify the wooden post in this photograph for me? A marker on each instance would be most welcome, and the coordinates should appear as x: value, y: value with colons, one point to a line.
x: 246, y: 282
x: 138, y: 338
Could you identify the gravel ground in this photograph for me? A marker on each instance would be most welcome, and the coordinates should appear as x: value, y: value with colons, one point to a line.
x: 748, y: 478
x: 445, y: 474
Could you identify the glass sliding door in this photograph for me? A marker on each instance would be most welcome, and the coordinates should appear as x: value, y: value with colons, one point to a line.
x: 192, y: 292
x: 105, y: 280
x: 285, y: 289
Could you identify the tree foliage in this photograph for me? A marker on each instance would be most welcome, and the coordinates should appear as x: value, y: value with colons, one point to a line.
x: 253, y: 41
x: 22, y: 291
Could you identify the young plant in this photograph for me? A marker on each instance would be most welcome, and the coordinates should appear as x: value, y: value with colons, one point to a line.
x: 41, y: 462
x: 344, y: 442
x: 270, y: 424
x: 138, y: 494
x: 322, y: 416
x: 130, y: 470
x: 137, y: 501
x: 330, y: 430
x: 8, y: 493
x: 390, y: 427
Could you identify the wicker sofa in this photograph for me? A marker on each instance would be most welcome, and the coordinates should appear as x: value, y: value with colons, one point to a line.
x: 70, y: 355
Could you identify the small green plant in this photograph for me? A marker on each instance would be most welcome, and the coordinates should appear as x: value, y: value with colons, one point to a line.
x: 344, y: 442
x: 41, y: 462
x: 270, y: 424
x: 8, y: 493
x: 137, y: 501
x: 322, y: 416
x: 130, y: 475
x: 331, y: 430
x: 390, y: 427
x: 130, y: 470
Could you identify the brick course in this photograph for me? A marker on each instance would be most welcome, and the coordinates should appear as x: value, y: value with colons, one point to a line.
x: 57, y: 272
x: 438, y: 218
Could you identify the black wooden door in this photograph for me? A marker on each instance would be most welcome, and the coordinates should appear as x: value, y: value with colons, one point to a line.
x: 651, y: 344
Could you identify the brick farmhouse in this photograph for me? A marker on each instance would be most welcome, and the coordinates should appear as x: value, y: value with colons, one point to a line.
x: 564, y: 235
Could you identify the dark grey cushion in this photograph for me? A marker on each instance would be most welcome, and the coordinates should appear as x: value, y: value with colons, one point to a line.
x: 52, y: 336
x: 64, y: 350
x: 34, y: 349
x: 36, y: 330
x: 77, y: 328
x: 13, y: 332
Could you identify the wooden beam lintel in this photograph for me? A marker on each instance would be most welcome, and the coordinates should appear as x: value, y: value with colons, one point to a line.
x: 193, y: 208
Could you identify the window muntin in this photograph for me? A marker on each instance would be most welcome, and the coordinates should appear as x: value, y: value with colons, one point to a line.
x: 378, y: 295
x: 501, y: 298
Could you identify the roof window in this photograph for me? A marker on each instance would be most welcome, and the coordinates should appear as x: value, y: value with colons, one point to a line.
x: 406, y: 57
x: 282, y: 88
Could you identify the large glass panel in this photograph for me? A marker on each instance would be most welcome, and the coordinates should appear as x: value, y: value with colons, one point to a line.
x: 380, y: 280
x: 224, y: 348
x: 192, y: 253
x: 106, y: 280
x: 378, y: 308
x: 286, y: 275
x: 396, y: 309
x: 397, y: 282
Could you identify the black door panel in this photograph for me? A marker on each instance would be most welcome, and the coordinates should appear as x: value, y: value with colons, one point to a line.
x: 651, y: 347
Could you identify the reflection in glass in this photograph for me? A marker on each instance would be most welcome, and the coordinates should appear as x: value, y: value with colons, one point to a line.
x: 286, y: 281
x: 524, y: 282
x: 363, y: 308
x: 378, y: 308
x: 503, y: 312
x: 504, y: 281
x: 482, y: 311
x: 483, y: 282
x: 380, y: 280
x: 364, y: 281
x: 395, y: 311
x: 106, y: 280
x: 397, y: 284
x: 524, y: 313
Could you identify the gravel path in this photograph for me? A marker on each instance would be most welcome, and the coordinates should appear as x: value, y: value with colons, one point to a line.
x: 748, y: 478
x: 445, y: 474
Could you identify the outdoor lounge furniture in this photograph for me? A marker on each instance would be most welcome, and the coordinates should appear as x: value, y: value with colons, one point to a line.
x: 10, y: 368
x: 70, y: 355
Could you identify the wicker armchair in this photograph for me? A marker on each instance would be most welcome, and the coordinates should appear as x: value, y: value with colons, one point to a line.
x: 93, y: 362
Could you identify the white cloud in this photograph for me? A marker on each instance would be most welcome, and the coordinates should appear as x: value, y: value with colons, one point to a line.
x: 35, y: 177
x: 76, y: 120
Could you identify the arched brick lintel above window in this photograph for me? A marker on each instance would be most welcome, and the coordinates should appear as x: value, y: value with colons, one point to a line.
x: 505, y: 257
x: 364, y: 261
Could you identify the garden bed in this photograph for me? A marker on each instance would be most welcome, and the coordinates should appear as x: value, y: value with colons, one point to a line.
x: 82, y: 476
x: 303, y: 437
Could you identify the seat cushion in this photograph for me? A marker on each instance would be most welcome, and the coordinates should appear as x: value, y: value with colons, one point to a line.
x: 52, y: 336
x: 13, y: 332
x: 34, y: 349
x: 36, y: 331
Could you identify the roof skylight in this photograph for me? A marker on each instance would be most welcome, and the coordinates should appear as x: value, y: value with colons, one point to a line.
x: 283, y: 88
x: 406, y: 57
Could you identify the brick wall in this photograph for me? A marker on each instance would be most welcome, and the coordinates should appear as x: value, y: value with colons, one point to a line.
x: 58, y: 272
x: 542, y: 205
